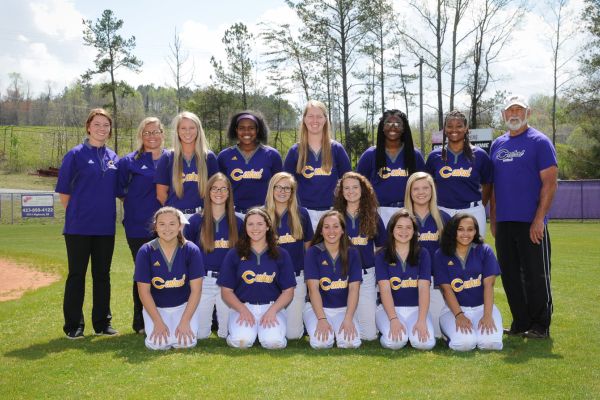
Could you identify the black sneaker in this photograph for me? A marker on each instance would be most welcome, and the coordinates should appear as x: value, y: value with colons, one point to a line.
x: 76, y: 334
x: 511, y: 332
x: 108, y: 331
x: 536, y: 334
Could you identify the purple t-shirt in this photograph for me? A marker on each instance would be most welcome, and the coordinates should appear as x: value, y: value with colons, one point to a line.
x: 249, y: 177
x: 169, y: 282
x: 518, y: 161
x: 458, y: 180
x: 212, y: 260
x: 315, y: 186
x: 258, y: 279
x: 333, y: 287
x: 364, y: 245
x: 89, y: 176
x: 295, y: 247
x: 191, y: 197
x: 466, y: 277
x: 389, y: 183
x: 403, y: 277
x: 429, y: 235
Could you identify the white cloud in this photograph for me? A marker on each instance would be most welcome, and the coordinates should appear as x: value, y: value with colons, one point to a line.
x: 57, y: 18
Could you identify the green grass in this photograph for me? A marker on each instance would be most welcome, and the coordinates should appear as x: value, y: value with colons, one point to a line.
x: 36, y: 361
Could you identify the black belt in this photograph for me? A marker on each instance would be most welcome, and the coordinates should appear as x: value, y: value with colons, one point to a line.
x: 299, y: 272
x: 212, y: 274
x: 188, y: 210
x: 398, y: 204
x: 365, y: 269
x: 259, y: 304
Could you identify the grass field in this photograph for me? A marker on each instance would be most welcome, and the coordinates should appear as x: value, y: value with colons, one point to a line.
x: 36, y: 361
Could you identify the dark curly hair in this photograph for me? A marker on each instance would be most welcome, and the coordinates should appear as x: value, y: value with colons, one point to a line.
x: 390, y: 255
x: 344, y: 240
x: 409, y: 147
x: 448, y: 241
x: 243, y: 245
x: 262, y: 130
x: 455, y: 114
x: 367, y: 209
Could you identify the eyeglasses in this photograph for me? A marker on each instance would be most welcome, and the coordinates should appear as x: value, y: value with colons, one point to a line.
x: 151, y: 133
x: 284, y: 189
x: 219, y: 190
x: 393, y: 124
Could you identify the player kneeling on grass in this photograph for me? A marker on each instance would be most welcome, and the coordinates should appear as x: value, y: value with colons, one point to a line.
x: 403, y: 272
x: 466, y: 269
x: 333, y: 273
x: 257, y: 282
x: 169, y: 272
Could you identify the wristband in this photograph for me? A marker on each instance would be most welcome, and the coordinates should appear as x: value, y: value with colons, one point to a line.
x: 321, y: 318
x: 391, y: 319
x: 457, y: 314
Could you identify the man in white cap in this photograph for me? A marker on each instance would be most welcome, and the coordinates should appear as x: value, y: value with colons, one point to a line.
x: 525, y: 175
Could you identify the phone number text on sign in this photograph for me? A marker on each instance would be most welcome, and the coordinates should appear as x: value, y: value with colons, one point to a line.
x: 37, y: 205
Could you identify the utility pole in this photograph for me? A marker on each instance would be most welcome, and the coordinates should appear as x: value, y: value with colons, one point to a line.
x: 421, y: 130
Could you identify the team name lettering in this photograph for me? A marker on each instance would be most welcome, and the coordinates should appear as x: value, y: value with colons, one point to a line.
x: 250, y: 277
x: 386, y: 172
x: 237, y: 174
x: 429, y: 236
x: 458, y: 284
x: 160, y: 283
x: 505, y: 155
x: 191, y: 177
x: 397, y: 283
x: 287, y: 238
x: 359, y: 241
x: 221, y: 244
x: 447, y: 172
x: 326, y: 284
x: 308, y: 172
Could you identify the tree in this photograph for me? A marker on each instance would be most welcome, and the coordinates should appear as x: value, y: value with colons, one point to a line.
x: 460, y: 7
x: 238, y: 46
x: 176, y: 61
x: 114, y: 53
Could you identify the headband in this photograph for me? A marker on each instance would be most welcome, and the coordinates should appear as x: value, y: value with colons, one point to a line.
x: 246, y: 116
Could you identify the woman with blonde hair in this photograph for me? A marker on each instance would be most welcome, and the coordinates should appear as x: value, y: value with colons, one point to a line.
x: 182, y: 173
x: 214, y: 230
x: 317, y: 161
x: 294, y: 232
x: 138, y: 192
x: 421, y: 200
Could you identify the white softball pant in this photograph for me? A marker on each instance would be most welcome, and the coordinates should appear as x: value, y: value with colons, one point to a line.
x: 386, y: 214
x: 460, y: 341
x: 335, y: 317
x: 243, y: 337
x: 171, y: 316
x: 295, y: 326
x: 477, y: 211
x: 210, y: 298
x: 315, y: 216
x: 367, y: 304
x: 436, y: 304
x: 408, y: 317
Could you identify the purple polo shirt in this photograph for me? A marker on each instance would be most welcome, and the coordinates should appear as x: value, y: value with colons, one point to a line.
x: 295, y: 247
x: 403, y: 277
x: 429, y: 235
x: 364, y: 245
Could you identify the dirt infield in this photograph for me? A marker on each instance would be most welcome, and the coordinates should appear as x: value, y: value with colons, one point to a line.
x: 16, y: 279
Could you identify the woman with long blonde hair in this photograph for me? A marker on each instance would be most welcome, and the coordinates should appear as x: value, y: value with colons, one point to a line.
x: 317, y: 161
x: 294, y: 232
x: 182, y: 173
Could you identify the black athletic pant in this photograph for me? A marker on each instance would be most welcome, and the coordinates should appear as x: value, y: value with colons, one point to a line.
x: 80, y: 248
x: 525, y: 270
x: 138, y: 318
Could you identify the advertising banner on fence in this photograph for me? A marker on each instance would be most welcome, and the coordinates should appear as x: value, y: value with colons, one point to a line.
x: 37, y: 205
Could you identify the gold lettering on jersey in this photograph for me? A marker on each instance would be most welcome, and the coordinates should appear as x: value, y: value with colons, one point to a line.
x: 191, y: 177
x: 221, y: 244
x: 447, y: 172
x: 429, y: 236
x: 250, y: 277
x: 458, y: 284
x: 308, y: 172
x: 359, y: 241
x: 386, y: 172
x: 238, y: 174
x: 397, y: 283
x: 160, y: 283
x: 287, y: 238
x: 326, y: 284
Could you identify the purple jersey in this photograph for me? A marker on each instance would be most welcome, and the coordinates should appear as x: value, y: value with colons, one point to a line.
x: 258, y: 279
x: 465, y: 277
x: 403, y: 277
x: 333, y: 287
x: 364, y: 245
x: 250, y: 176
x: 518, y: 161
x: 458, y: 180
x: 137, y: 188
x: 212, y: 260
x: 316, y: 186
x: 295, y: 247
x: 389, y: 182
x: 88, y: 175
x: 429, y: 235
x: 169, y: 281
x: 191, y: 197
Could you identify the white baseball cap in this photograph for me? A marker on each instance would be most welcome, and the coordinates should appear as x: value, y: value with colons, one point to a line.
x: 515, y: 99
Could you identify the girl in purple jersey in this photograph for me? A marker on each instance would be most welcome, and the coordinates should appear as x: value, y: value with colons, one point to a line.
x: 356, y: 200
x: 215, y: 230
x: 421, y: 201
x: 249, y: 164
x: 294, y: 232
x: 138, y: 193
x: 333, y: 276
x: 404, y: 276
x: 317, y: 161
x: 466, y: 270
x: 181, y: 174
x: 169, y: 272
